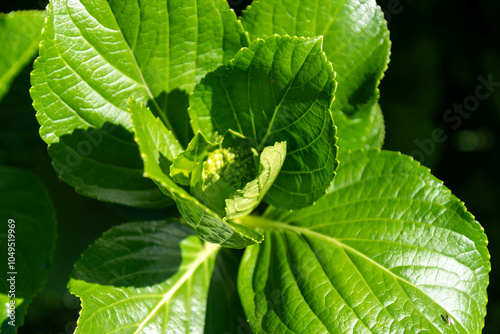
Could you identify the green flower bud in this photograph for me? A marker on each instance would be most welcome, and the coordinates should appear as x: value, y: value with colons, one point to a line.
x: 236, y: 167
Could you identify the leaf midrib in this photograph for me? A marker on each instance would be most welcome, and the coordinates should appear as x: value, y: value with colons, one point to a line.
x: 283, y: 98
x: 209, y: 250
x: 271, y: 225
x: 333, y: 18
x: 291, y: 219
x: 143, y: 82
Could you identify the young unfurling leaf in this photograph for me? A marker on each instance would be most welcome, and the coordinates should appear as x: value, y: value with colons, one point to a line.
x: 278, y: 89
x: 195, y: 154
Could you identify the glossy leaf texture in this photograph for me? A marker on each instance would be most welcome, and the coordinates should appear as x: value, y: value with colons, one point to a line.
x: 158, y: 148
x: 153, y: 277
x: 26, y: 202
x: 279, y: 89
x: 388, y: 250
x: 356, y: 41
x: 95, y: 55
x: 20, y: 34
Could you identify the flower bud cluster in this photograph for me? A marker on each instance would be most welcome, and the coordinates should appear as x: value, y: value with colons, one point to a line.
x: 236, y: 167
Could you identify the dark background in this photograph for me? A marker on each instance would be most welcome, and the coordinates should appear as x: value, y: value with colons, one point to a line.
x: 439, y: 50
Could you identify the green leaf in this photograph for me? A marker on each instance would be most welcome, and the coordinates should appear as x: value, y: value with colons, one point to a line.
x: 26, y: 210
x: 197, y: 151
x: 94, y: 55
x: 158, y: 147
x: 102, y: 166
x: 211, y: 190
x: 388, y: 250
x: 244, y: 201
x: 356, y: 41
x: 276, y: 90
x: 20, y: 34
x: 223, y: 298
x: 365, y: 132
x: 155, y: 275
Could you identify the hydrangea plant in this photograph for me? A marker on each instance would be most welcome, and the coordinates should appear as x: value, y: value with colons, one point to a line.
x: 260, y: 132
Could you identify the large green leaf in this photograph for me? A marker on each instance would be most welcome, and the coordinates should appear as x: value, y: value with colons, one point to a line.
x: 388, y: 250
x: 95, y: 55
x: 27, y: 214
x: 20, y: 34
x: 153, y: 277
x: 280, y: 89
x: 158, y: 148
x: 356, y: 41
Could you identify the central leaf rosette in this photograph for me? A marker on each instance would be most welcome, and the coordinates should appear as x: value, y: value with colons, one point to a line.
x: 278, y: 89
x: 263, y: 132
x: 229, y: 180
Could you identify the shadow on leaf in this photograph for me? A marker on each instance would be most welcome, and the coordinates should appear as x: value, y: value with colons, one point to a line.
x: 105, y: 164
x: 133, y: 255
x: 175, y: 105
